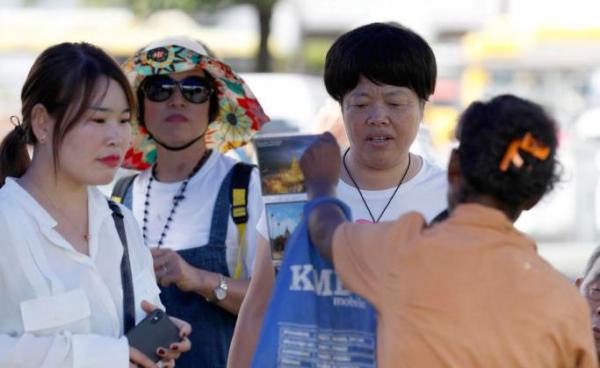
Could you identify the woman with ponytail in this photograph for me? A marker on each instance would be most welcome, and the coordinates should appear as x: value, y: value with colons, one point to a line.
x: 63, y: 294
x: 14, y: 158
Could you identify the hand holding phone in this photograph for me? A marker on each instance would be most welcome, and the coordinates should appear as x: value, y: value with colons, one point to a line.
x: 154, y: 331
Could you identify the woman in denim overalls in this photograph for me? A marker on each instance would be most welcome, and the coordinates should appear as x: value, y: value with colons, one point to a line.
x: 192, y: 108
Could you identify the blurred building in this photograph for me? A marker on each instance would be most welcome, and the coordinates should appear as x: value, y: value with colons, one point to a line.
x: 545, y: 51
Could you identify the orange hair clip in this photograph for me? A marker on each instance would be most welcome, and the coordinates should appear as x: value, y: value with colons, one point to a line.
x: 527, y: 144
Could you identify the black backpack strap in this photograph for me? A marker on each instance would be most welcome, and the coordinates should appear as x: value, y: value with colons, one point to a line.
x: 126, y: 278
x: 240, y: 180
x: 121, y: 188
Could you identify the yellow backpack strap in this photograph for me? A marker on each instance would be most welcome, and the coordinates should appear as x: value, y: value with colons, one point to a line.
x: 121, y: 188
x: 240, y: 179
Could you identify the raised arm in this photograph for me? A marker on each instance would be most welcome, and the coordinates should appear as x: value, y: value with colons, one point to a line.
x: 321, y: 168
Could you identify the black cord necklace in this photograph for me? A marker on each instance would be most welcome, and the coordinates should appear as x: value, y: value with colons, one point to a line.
x: 361, y: 195
x: 179, y: 196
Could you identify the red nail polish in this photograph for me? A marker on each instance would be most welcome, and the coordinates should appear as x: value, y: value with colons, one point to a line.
x: 174, y: 347
x: 161, y: 351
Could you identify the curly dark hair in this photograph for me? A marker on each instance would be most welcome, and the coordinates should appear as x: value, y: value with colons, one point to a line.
x: 485, y: 131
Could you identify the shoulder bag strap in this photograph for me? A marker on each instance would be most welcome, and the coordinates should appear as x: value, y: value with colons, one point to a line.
x: 126, y: 279
x: 121, y: 188
x: 240, y: 181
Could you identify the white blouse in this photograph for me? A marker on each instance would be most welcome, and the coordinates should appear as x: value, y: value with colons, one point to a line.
x: 59, y: 307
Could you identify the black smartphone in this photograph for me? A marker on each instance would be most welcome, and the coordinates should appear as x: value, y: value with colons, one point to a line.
x: 154, y: 331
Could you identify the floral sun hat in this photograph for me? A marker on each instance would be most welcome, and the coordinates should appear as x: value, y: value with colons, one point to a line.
x: 239, y: 116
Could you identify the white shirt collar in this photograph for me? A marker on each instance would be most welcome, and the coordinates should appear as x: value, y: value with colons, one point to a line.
x: 19, y: 194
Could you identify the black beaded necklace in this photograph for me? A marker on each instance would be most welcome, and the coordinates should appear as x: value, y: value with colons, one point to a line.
x: 179, y: 196
x: 361, y: 195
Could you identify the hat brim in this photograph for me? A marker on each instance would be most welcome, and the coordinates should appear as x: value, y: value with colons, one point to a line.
x: 239, y: 115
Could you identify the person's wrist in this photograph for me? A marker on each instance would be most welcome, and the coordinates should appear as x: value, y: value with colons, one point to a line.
x: 217, y: 281
x: 200, y: 280
x: 316, y: 189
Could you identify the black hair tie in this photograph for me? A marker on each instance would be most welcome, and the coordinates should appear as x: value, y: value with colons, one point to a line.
x: 18, y: 127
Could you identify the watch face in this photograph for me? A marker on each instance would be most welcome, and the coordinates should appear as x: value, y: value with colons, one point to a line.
x: 220, y: 293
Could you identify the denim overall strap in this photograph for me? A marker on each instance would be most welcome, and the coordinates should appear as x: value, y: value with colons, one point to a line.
x: 220, y: 217
x: 212, y: 326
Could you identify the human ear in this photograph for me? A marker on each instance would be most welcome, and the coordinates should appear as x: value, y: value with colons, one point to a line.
x: 41, y: 123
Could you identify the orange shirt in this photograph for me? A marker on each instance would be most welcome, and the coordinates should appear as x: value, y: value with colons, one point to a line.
x: 468, y: 292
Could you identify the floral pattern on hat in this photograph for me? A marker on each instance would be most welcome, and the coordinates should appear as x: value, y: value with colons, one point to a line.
x: 239, y: 116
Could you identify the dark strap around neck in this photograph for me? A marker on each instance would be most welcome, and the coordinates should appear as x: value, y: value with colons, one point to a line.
x: 183, y: 146
x: 126, y: 279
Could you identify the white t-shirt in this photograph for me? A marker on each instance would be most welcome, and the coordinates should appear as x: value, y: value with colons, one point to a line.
x: 190, y: 225
x: 425, y: 193
x: 61, y: 308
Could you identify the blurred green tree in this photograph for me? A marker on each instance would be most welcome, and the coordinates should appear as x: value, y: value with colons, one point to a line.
x: 264, y: 9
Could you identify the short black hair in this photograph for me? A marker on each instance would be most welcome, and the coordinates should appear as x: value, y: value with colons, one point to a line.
x: 384, y: 53
x: 485, y: 131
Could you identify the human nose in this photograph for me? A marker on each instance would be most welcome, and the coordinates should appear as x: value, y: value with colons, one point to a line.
x: 378, y: 115
x: 119, y: 134
x: 177, y: 98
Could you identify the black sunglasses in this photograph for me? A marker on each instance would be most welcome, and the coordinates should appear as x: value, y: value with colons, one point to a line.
x: 160, y: 88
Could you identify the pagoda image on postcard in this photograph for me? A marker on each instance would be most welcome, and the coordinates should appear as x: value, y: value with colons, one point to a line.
x: 282, y: 220
x: 279, y: 163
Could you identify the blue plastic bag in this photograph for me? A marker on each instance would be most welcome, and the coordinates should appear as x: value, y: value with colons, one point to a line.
x: 312, y: 320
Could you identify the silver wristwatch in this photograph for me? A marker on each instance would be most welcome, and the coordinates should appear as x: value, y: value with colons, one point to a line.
x: 220, y: 292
